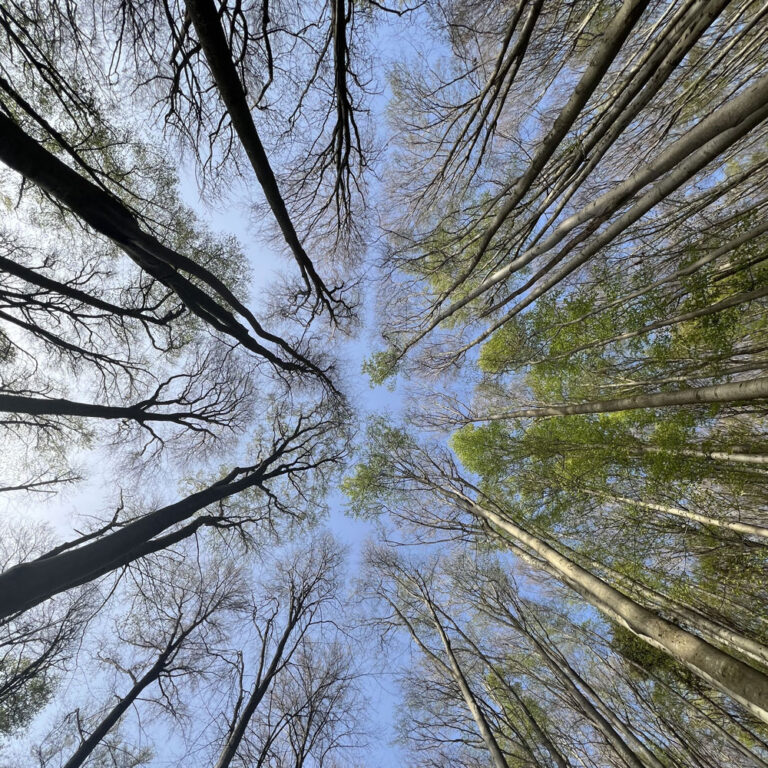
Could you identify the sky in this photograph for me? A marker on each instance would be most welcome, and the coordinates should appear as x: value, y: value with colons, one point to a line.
x: 379, y: 686
x: 232, y: 215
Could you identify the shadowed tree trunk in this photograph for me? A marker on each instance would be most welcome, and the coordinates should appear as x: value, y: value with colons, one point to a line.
x: 207, y: 23
x: 110, y: 217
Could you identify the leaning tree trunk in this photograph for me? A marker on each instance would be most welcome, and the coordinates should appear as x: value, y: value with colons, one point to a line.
x: 110, y: 217
x: 626, y: 745
x: 730, y: 525
x: 540, y: 733
x: 710, y: 630
x: 733, y: 392
x: 27, y: 584
x: 745, y: 297
x: 745, y: 684
x: 84, y: 750
x: 693, y: 151
x: 497, y: 756
x: 257, y: 694
x: 56, y: 406
x: 207, y: 22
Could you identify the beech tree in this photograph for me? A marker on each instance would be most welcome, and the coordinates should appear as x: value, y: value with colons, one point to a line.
x: 560, y: 209
x: 499, y: 231
x: 545, y: 679
x: 422, y: 486
x: 297, y: 707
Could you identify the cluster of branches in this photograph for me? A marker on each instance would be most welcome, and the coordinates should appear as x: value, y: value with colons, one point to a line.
x: 129, y: 340
x: 190, y: 626
x: 574, y: 287
x: 640, y: 127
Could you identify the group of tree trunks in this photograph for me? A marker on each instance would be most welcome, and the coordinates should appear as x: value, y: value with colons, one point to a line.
x: 563, y: 217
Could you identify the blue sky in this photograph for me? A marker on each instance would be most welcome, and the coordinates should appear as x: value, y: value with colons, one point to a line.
x: 231, y: 214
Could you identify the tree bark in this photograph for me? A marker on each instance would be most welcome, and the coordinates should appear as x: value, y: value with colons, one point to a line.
x: 745, y: 684
x: 40, y: 406
x: 497, y: 756
x: 28, y: 584
x: 206, y: 21
x: 746, y: 529
x: 733, y: 392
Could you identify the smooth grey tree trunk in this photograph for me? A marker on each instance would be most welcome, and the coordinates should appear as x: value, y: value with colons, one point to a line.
x: 745, y: 684
x: 733, y: 392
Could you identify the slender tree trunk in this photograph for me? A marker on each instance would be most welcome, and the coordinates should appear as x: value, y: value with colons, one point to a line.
x: 497, y: 756
x: 567, y: 676
x: 745, y: 684
x: 745, y: 297
x: 207, y: 23
x: 731, y: 245
x: 613, y: 38
x: 746, y: 529
x: 541, y: 734
x: 84, y: 750
x: 257, y: 694
x: 734, y: 392
x: 734, y: 457
x: 454, y: 670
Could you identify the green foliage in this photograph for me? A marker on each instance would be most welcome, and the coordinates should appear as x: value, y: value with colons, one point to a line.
x: 374, y: 478
x: 381, y: 366
x: 23, y: 702
x: 483, y: 450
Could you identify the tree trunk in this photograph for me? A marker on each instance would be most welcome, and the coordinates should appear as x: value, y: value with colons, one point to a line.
x: 87, y: 746
x: 711, y: 631
x: 110, y: 217
x: 745, y: 684
x: 733, y: 392
x: 207, y: 23
x: 41, y: 406
x: 497, y: 757
x: 739, y: 115
x: 27, y: 584
x: 745, y: 297
x: 746, y: 529
x: 567, y: 676
x: 257, y: 694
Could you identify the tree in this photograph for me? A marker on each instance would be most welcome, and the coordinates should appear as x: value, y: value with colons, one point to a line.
x: 426, y: 488
x: 296, y: 600
x: 180, y: 626
x: 310, y: 446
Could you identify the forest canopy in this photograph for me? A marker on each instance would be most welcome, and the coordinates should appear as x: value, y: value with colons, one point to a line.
x: 384, y: 383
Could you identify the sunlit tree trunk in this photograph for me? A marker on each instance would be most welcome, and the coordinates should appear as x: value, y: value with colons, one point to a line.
x: 746, y: 529
x: 739, y: 391
x: 744, y: 683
